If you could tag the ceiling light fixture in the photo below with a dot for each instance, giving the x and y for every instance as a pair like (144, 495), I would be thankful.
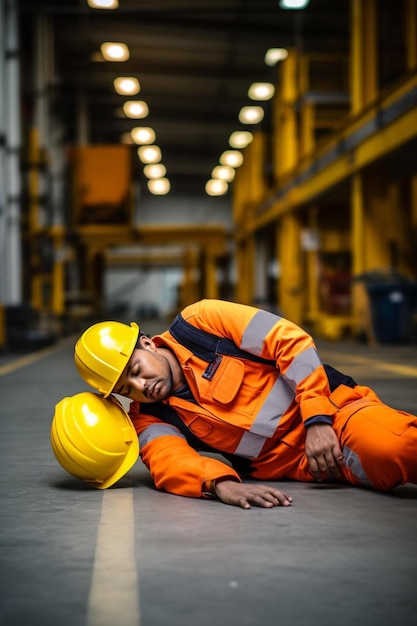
(234, 158)
(113, 51)
(274, 55)
(240, 138)
(223, 172)
(251, 115)
(261, 91)
(155, 170)
(216, 187)
(136, 109)
(293, 4)
(126, 85)
(149, 154)
(103, 4)
(159, 186)
(143, 134)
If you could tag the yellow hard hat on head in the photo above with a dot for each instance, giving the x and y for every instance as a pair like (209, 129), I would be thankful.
(94, 439)
(103, 351)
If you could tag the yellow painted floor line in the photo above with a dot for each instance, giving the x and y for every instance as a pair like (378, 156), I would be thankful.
(28, 359)
(114, 593)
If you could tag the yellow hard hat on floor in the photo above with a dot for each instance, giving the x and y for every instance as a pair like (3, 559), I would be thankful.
(94, 439)
(103, 351)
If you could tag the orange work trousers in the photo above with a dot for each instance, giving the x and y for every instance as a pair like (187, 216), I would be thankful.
(379, 443)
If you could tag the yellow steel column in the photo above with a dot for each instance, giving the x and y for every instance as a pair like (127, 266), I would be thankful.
(57, 304)
(240, 270)
(211, 286)
(189, 286)
(399, 241)
(36, 277)
(254, 162)
(312, 262)
(377, 222)
(411, 33)
(307, 141)
(307, 109)
(370, 59)
(285, 118)
(360, 302)
(364, 80)
(386, 227)
(358, 225)
(289, 251)
(245, 269)
(33, 179)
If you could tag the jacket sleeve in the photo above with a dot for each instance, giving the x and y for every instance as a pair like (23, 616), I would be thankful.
(174, 465)
(270, 336)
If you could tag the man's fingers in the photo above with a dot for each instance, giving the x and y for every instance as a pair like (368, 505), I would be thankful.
(327, 465)
(266, 499)
(245, 495)
(314, 469)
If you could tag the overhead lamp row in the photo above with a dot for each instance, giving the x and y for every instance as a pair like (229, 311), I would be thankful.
(222, 174)
(217, 185)
(138, 109)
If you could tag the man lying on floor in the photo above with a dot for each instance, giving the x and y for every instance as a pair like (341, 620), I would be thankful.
(244, 383)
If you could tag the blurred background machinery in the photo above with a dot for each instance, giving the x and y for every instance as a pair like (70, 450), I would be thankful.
(239, 150)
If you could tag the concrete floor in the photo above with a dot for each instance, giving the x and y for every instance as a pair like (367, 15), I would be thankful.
(75, 556)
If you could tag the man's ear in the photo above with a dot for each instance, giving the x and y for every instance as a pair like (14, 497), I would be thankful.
(146, 343)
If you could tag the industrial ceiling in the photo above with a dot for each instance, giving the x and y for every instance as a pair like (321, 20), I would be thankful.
(195, 60)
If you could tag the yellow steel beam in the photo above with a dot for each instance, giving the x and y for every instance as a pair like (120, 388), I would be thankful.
(200, 235)
(102, 236)
(372, 148)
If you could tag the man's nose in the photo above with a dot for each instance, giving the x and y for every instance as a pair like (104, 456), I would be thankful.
(138, 384)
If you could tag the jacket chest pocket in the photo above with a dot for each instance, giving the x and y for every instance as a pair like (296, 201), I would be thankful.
(227, 380)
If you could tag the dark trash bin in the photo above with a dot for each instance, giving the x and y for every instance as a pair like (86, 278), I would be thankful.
(393, 303)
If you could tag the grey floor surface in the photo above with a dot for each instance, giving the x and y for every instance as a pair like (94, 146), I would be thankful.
(75, 556)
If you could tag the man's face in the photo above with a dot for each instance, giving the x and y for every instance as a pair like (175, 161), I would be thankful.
(147, 377)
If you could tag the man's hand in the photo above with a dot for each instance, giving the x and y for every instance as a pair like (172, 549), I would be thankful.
(243, 495)
(323, 451)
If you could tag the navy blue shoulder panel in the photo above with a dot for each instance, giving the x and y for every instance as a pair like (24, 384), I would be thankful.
(207, 346)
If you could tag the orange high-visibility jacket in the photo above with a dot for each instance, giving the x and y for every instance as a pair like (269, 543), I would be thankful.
(241, 407)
